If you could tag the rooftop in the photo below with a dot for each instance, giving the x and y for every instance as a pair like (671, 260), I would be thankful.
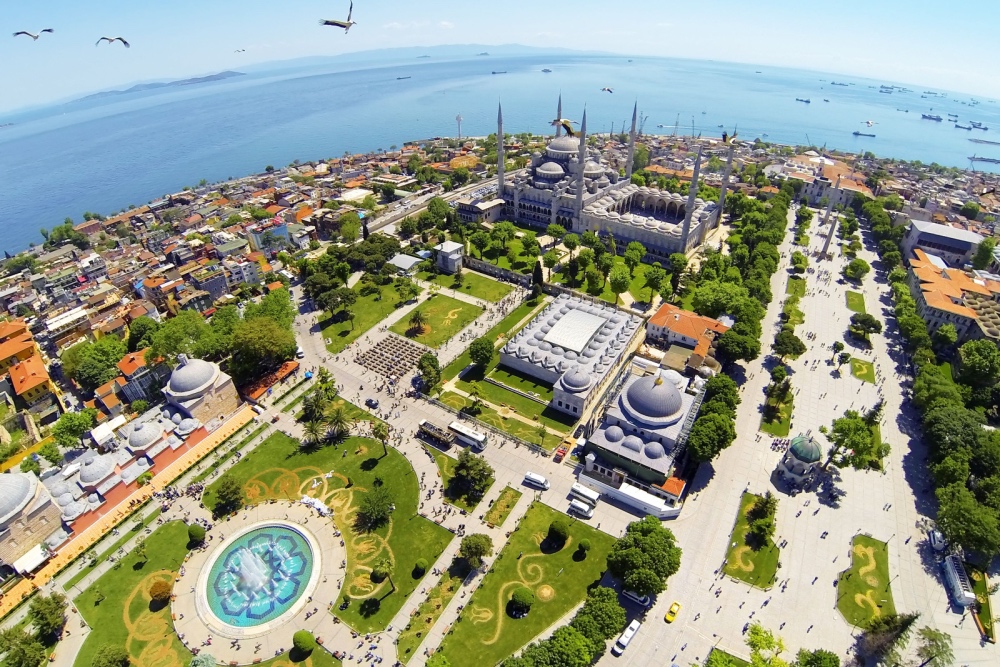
(575, 330)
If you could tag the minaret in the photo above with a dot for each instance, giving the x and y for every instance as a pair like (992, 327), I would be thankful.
(500, 157)
(689, 210)
(631, 144)
(826, 220)
(582, 161)
(722, 196)
(559, 116)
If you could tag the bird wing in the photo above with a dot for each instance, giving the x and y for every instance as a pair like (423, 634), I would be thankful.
(48, 30)
(122, 40)
(23, 32)
(102, 39)
(335, 24)
(350, 11)
(568, 126)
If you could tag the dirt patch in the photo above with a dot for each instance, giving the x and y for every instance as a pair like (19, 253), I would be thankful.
(738, 560)
(545, 593)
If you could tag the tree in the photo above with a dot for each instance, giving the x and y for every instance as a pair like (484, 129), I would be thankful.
(202, 660)
(655, 277)
(537, 277)
(852, 441)
(550, 259)
(817, 658)
(799, 262)
(380, 431)
(838, 347)
(430, 369)
(571, 242)
(375, 509)
(481, 351)
(605, 615)
(885, 636)
(31, 464)
(186, 333)
(228, 495)
(966, 522)
(260, 345)
(857, 269)
(842, 359)
(160, 591)
(710, 434)
(111, 655)
(98, 362)
(945, 336)
(604, 264)
(50, 452)
(558, 532)
(713, 298)
(984, 252)
(474, 548)
(437, 660)
(935, 648)
(787, 344)
(417, 321)
(304, 642)
(20, 649)
(556, 232)
(620, 280)
(980, 362)
(480, 241)
(196, 533)
(724, 388)
(473, 476)
(276, 306)
(733, 345)
(634, 252)
(140, 333)
(970, 210)
(778, 374)
(48, 614)
(503, 233)
(521, 599)
(567, 647)
(678, 263)
(865, 324)
(646, 545)
(69, 430)
(139, 406)
(338, 424)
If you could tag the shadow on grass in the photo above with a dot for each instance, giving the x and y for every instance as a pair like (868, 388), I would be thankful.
(295, 655)
(158, 605)
(370, 607)
(139, 565)
(369, 464)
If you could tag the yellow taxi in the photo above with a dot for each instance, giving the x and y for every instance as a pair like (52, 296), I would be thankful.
(672, 612)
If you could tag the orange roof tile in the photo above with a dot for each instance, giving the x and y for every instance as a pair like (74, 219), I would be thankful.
(939, 301)
(303, 212)
(11, 328)
(132, 362)
(277, 284)
(274, 209)
(16, 346)
(685, 323)
(674, 486)
(28, 374)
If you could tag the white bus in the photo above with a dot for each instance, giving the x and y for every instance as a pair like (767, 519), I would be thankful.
(589, 496)
(468, 436)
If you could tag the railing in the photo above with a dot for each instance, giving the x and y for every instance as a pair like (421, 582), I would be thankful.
(463, 415)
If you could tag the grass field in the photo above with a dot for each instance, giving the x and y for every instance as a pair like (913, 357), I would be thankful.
(103, 556)
(500, 331)
(757, 568)
(522, 405)
(473, 284)
(637, 287)
(793, 314)
(855, 301)
(445, 318)
(781, 424)
(734, 660)
(980, 586)
(522, 382)
(796, 287)
(280, 468)
(511, 425)
(502, 506)
(430, 609)
(446, 466)
(863, 370)
(485, 633)
(368, 311)
(863, 590)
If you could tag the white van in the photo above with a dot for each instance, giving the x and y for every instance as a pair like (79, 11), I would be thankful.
(581, 508)
(534, 479)
(626, 637)
(641, 600)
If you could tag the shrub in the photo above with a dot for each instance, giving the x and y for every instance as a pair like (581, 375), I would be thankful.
(420, 567)
(196, 533)
(160, 591)
(522, 599)
(584, 546)
(558, 532)
(303, 641)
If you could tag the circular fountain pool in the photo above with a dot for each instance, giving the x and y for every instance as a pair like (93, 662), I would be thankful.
(258, 578)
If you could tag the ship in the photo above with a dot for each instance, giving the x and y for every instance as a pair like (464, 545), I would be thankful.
(975, 123)
(835, 83)
(903, 110)
(825, 100)
(963, 127)
(484, 53)
(807, 100)
(400, 78)
(499, 72)
(985, 141)
(991, 160)
(930, 116)
(547, 70)
(862, 134)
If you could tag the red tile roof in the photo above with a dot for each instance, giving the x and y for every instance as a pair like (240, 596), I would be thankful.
(132, 362)
(28, 374)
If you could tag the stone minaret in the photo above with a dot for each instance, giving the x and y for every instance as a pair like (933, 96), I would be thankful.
(689, 210)
(500, 157)
(722, 195)
(582, 161)
(559, 116)
(631, 144)
(826, 220)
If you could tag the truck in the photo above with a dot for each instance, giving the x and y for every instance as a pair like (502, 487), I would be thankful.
(436, 434)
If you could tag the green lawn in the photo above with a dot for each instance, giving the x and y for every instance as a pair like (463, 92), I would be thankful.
(265, 474)
(126, 603)
(474, 284)
(793, 315)
(129, 534)
(637, 288)
(780, 410)
(485, 633)
(863, 370)
(523, 382)
(502, 506)
(796, 287)
(446, 466)
(431, 609)
(946, 372)
(445, 318)
(759, 567)
(981, 586)
(502, 330)
(498, 256)
(511, 425)
(856, 301)
(525, 407)
(368, 310)
(863, 590)
(736, 661)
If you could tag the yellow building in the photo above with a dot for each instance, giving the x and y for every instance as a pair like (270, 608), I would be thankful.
(31, 381)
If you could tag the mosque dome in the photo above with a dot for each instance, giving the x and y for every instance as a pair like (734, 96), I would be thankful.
(633, 443)
(192, 376)
(591, 168)
(96, 469)
(653, 400)
(550, 170)
(614, 434)
(187, 426)
(576, 380)
(806, 449)
(143, 435)
(564, 145)
(16, 491)
(653, 450)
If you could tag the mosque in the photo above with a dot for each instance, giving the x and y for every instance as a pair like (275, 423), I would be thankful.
(572, 185)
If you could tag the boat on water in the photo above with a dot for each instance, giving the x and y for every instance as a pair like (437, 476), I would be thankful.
(990, 160)
(757, 72)
(807, 100)
(963, 127)
(401, 78)
(862, 134)
(484, 53)
(825, 100)
(985, 141)
(980, 127)
(903, 110)
(931, 116)
(836, 83)
(499, 72)
(547, 70)
(975, 123)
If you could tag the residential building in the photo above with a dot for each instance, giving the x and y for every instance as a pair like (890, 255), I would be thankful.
(212, 280)
(690, 337)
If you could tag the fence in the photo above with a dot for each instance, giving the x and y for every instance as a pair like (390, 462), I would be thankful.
(482, 266)
(462, 415)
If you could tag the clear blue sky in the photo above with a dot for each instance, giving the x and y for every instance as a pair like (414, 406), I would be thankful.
(949, 45)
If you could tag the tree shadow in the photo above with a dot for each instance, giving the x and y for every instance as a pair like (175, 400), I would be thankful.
(514, 611)
(579, 556)
(138, 565)
(369, 464)
(370, 607)
(158, 605)
(295, 655)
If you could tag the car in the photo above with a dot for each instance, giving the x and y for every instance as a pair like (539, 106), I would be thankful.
(937, 540)
(300, 353)
(371, 403)
(623, 641)
(672, 612)
(560, 454)
(641, 600)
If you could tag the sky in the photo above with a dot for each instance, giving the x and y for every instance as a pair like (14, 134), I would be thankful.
(947, 45)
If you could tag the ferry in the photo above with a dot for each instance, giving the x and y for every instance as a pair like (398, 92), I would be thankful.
(862, 134)
(930, 116)
(963, 127)
(807, 100)
(985, 141)
(547, 70)
(400, 78)
(500, 72)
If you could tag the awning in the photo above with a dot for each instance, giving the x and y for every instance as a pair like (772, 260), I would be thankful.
(30, 561)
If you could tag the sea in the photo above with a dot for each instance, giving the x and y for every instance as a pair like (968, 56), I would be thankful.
(106, 153)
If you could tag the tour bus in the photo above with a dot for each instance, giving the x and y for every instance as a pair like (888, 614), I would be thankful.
(581, 508)
(435, 433)
(589, 496)
(468, 436)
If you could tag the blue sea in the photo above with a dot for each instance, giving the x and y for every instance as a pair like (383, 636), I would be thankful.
(107, 153)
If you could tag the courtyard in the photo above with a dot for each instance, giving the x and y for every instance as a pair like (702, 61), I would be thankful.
(472, 283)
(863, 590)
(444, 317)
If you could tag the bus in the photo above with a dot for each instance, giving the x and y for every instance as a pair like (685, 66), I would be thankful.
(589, 496)
(468, 436)
(435, 433)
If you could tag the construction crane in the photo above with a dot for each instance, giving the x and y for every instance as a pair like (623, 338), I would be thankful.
(677, 122)
(692, 127)
(642, 122)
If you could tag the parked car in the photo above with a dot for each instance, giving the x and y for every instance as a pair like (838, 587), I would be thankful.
(626, 637)
(937, 540)
(641, 600)
(560, 454)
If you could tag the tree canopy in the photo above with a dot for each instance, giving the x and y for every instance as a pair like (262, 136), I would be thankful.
(647, 547)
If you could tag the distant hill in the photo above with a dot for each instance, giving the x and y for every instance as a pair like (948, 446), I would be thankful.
(142, 87)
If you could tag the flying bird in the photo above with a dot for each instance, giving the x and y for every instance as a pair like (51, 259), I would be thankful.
(606, 90)
(869, 123)
(112, 40)
(346, 25)
(566, 125)
(240, 51)
(31, 34)
(726, 139)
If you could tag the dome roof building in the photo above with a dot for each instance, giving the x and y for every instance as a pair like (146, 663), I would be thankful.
(28, 516)
(801, 461)
(199, 389)
(143, 435)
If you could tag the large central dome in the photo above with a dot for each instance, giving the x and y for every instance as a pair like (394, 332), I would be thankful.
(191, 376)
(653, 400)
(564, 145)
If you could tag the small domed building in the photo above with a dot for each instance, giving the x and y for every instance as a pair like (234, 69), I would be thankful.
(200, 390)
(28, 516)
(801, 461)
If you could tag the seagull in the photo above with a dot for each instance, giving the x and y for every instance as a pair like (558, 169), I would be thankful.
(240, 51)
(869, 123)
(32, 35)
(606, 90)
(346, 25)
(566, 125)
(726, 139)
(112, 40)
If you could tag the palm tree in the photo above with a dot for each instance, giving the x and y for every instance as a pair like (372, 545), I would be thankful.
(474, 395)
(314, 432)
(351, 316)
(381, 432)
(541, 435)
(418, 320)
(935, 648)
(337, 423)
